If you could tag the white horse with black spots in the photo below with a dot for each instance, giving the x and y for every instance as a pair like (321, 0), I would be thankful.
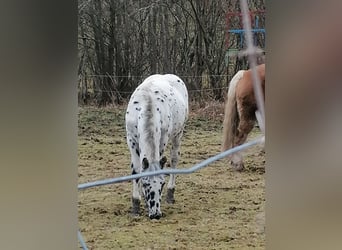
(156, 113)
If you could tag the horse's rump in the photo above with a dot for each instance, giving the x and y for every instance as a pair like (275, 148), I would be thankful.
(168, 97)
(231, 117)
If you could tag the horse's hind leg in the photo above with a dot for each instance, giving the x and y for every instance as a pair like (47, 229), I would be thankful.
(245, 126)
(174, 161)
(135, 166)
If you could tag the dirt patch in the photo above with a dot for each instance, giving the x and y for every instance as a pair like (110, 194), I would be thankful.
(216, 208)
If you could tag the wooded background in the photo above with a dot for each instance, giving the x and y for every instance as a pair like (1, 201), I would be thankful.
(121, 42)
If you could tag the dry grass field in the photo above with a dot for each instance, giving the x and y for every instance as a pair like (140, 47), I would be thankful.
(216, 208)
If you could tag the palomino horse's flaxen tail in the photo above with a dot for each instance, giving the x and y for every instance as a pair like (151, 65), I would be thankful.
(230, 113)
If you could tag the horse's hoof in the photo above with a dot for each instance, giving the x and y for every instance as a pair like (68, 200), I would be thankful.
(135, 215)
(170, 196)
(239, 167)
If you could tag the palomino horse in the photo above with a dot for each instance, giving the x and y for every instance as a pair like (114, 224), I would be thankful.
(240, 111)
(156, 113)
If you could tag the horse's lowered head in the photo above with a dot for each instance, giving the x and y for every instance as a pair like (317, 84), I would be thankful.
(152, 187)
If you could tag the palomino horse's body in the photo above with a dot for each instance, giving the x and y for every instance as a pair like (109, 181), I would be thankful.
(156, 113)
(240, 111)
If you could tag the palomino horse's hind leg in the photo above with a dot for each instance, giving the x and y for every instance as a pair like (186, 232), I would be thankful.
(136, 197)
(243, 131)
(245, 126)
(174, 161)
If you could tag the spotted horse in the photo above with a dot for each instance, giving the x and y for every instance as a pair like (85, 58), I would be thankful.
(156, 114)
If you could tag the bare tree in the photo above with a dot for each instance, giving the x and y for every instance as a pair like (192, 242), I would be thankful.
(123, 41)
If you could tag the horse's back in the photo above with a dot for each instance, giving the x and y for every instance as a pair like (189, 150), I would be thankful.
(245, 88)
(178, 84)
(178, 96)
(167, 83)
(172, 89)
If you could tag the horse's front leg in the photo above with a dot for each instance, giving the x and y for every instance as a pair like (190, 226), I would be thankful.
(174, 161)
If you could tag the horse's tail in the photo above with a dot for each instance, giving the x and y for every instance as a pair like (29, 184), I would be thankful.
(230, 113)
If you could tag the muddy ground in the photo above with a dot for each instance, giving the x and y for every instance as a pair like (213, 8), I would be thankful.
(216, 208)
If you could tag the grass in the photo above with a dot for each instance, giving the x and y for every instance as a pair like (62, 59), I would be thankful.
(215, 208)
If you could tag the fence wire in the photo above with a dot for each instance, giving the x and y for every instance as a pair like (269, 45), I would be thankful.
(189, 91)
(252, 53)
(173, 171)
